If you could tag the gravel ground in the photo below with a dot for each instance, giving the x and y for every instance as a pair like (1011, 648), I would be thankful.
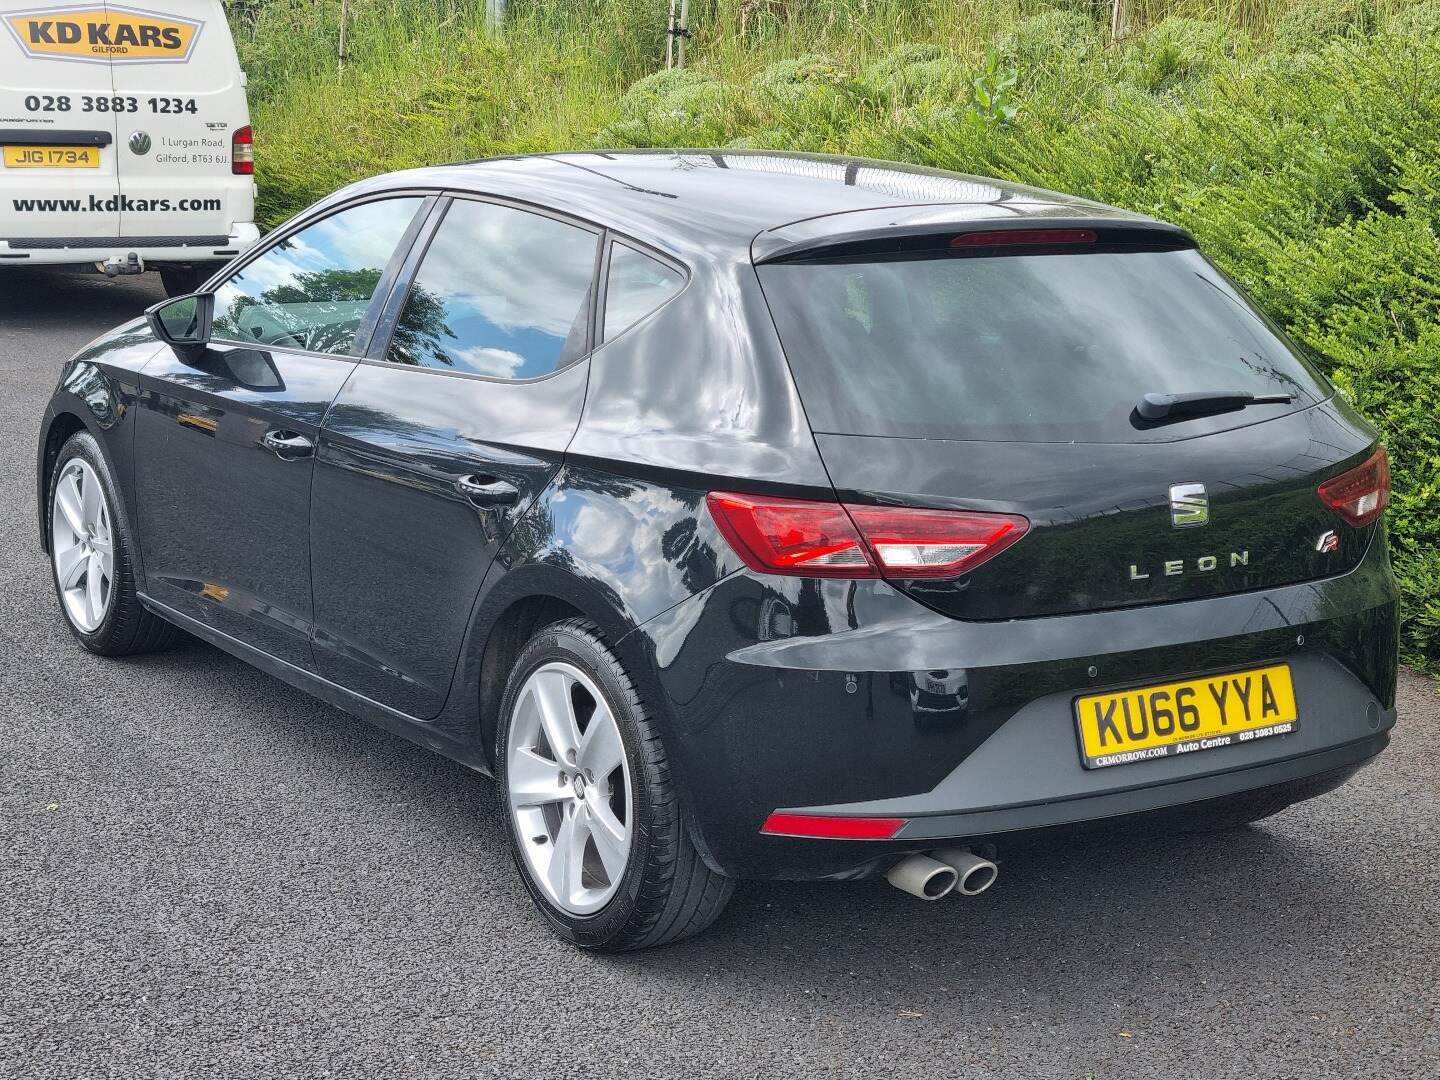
(206, 873)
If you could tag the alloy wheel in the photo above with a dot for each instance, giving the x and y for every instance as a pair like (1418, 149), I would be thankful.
(82, 545)
(568, 787)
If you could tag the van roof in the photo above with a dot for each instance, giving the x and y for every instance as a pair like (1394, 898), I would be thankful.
(729, 198)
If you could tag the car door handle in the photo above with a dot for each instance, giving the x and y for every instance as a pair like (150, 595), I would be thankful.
(487, 490)
(288, 444)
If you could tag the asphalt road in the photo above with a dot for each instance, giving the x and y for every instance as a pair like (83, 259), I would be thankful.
(205, 873)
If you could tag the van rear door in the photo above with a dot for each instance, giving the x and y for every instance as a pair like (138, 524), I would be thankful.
(175, 169)
(58, 179)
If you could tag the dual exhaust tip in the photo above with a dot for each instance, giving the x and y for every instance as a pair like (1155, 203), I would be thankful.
(941, 872)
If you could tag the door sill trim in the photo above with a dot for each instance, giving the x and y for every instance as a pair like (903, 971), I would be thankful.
(423, 732)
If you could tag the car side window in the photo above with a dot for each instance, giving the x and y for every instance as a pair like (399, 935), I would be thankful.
(636, 286)
(311, 290)
(501, 292)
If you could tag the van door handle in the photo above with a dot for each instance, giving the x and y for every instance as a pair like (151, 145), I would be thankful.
(487, 490)
(288, 444)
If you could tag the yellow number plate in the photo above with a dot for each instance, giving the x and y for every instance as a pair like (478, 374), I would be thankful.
(1183, 717)
(52, 157)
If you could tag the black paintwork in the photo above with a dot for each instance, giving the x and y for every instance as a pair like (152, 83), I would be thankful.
(361, 573)
(399, 551)
(224, 520)
(43, 137)
(1097, 510)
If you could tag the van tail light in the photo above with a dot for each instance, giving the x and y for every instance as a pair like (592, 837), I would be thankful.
(1360, 495)
(242, 151)
(806, 538)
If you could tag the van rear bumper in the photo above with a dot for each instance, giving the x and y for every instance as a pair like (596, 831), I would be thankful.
(83, 251)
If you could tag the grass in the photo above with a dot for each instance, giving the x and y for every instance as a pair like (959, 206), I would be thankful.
(1296, 139)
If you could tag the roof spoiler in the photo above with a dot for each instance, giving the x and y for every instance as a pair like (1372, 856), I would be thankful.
(898, 229)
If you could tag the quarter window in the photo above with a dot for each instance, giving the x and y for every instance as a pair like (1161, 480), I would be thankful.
(311, 290)
(501, 292)
(637, 285)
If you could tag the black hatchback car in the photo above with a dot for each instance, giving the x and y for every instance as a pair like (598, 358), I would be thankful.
(748, 515)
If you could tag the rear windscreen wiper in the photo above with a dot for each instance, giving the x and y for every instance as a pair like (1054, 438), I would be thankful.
(1163, 406)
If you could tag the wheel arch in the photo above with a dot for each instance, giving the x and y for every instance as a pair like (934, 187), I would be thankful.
(518, 604)
(60, 426)
(534, 595)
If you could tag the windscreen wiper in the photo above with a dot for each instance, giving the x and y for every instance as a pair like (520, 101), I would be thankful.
(1163, 406)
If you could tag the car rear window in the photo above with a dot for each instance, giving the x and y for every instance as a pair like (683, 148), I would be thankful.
(1043, 347)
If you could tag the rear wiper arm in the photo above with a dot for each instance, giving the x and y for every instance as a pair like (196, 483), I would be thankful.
(1162, 406)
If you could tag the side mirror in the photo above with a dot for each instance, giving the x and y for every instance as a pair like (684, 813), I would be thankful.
(184, 322)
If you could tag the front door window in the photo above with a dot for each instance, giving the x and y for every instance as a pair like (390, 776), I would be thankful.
(311, 290)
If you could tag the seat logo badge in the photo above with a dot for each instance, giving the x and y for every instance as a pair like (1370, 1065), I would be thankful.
(1328, 542)
(1189, 505)
(139, 142)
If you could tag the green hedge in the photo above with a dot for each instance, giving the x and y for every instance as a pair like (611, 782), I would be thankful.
(1304, 152)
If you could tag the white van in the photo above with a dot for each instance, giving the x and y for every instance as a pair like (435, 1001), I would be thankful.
(125, 138)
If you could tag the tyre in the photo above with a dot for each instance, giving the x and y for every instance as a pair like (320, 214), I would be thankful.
(590, 805)
(90, 557)
(183, 280)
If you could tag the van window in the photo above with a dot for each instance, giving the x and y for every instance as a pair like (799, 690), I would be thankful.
(1033, 347)
(501, 292)
(311, 290)
(636, 286)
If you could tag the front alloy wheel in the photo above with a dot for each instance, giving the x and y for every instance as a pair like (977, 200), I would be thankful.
(569, 788)
(82, 545)
(92, 557)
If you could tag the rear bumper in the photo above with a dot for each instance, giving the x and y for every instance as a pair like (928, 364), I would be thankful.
(847, 698)
(1234, 779)
(1134, 811)
(75, 251)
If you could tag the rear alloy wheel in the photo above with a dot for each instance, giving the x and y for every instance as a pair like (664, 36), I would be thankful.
(591, 804)
(569, 788)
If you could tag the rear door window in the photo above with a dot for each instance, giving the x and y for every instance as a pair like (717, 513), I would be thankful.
(312, 289)
(501, 292)
(1028, 347)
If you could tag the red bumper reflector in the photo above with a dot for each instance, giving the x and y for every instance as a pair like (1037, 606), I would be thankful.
(821, 827)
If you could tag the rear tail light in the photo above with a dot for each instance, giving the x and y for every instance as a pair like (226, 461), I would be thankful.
(819, 539)
(934, 543)
(1360, 495)
(242, 151)
(791, 536)
(825, 827)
